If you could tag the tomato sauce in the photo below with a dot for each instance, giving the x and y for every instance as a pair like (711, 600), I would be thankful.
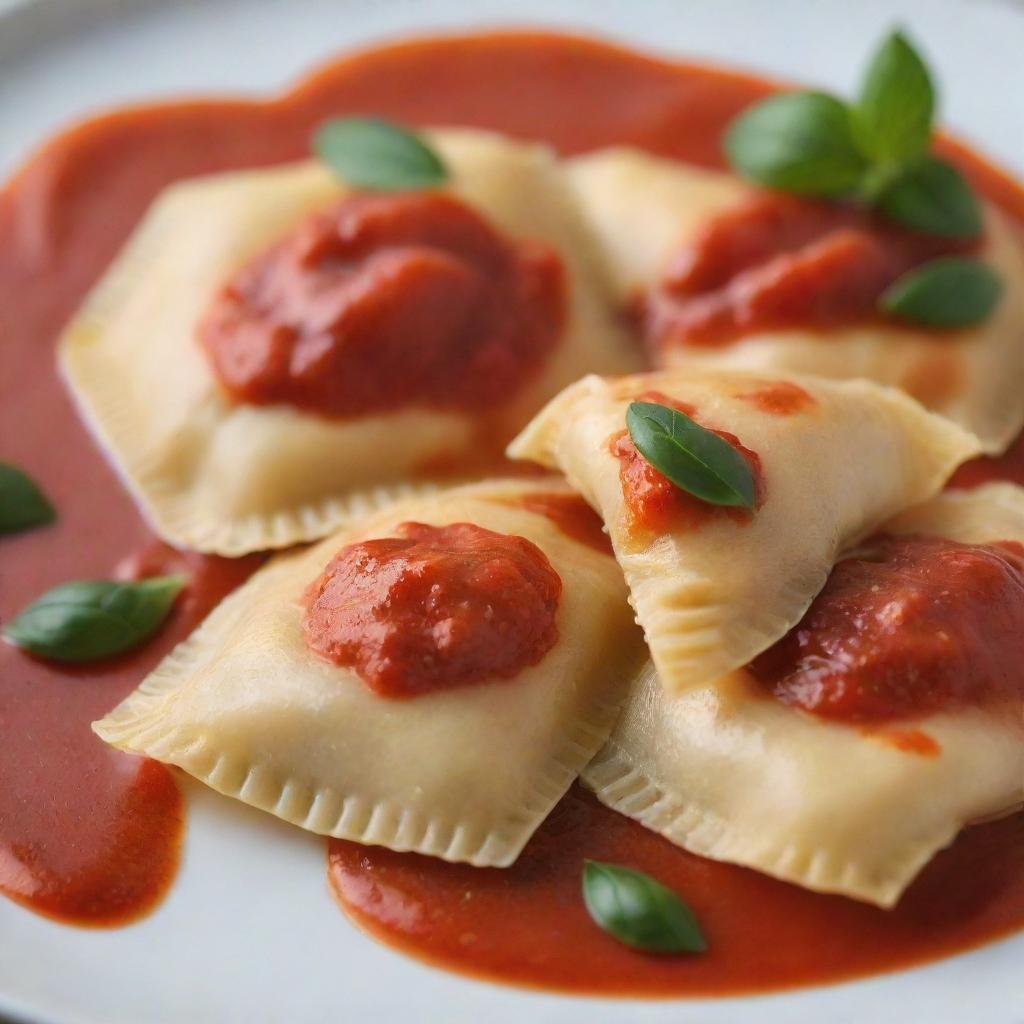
(655, 505)
(913, 626)
(776, 262)
(989, 469)
(527, 924)
(388, 301)
(779, 398)
(433, 608)
(69, 822)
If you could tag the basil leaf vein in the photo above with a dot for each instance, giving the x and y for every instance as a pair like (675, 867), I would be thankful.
(950, 292)
(932, 196)
(893, 117)
(694, 458)
(22, 504)
(639, 911)
(372, 153)
(798, 142)
(90, 619)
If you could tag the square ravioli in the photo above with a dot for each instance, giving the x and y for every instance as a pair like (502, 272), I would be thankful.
(273, 354)
(851, 803)
(714, 586)
(433, 680)
(683, 246)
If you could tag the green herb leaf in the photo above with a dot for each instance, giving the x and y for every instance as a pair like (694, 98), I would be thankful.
(798, 142)
(372, 153)
(639, 911)
(949, 292)
(22, 504)
(933, 196)
(893, 118)
(694, 458)
(87, 620)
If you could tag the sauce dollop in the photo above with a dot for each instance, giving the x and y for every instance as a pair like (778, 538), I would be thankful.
(437, 607)
(653, 504)
(778, 262)
(914, 625)
(383, 302)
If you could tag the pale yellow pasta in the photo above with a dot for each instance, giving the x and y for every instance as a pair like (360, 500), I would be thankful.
(711, 597)
(228, 477)
(646, 209)
(728, 772)
(465, 773)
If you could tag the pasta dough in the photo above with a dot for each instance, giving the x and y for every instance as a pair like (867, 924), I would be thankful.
(229, 477)
(646, 209)
(729, 772)
(710, 598)
(465, 774)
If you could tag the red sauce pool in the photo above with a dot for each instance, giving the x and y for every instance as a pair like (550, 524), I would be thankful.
(62, 218)
(527, 924)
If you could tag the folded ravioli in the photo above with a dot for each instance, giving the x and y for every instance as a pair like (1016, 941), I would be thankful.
(730, 772)
(265, 360)
(654, 217)
(454, 763)
(713, 586)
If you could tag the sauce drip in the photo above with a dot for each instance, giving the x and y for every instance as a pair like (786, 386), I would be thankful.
(914, 625)
(434, 608)
(385, 302)
(778, 262)
(62, 219)
(527, 924)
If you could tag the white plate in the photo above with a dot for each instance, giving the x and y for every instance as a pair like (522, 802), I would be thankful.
(249, 932)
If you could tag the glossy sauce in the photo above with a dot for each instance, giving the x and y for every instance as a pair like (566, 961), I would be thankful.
(62, 219)
(527, 924)
(776, 262)
(434, 607)
(914, 626)
(386, 302)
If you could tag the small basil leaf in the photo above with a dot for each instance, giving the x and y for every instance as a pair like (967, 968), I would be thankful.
(948, 292)
(932, 196)
(893, 118)
(22, 504)
(87, 620)
(694, 458)
(639, 911)
(798, 142)
(375, 154)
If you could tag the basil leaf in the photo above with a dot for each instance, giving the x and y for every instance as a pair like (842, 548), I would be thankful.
(372, 153)
(933, 196)
(87, 620)
(639, 911)
(22, 504)
(694, 458)
(948, 292)
(893, 119)
(798, 142)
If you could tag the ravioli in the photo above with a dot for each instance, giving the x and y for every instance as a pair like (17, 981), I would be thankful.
(712, 588)
(646, 210)
(216, 474)
(465, 773)
(730, 773)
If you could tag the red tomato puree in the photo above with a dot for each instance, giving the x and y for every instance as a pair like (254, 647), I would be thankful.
(915, 625)
(571, 514)
(90, 835)
(436, 607)
(387, 301)
(653, 504)
(777, 262)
